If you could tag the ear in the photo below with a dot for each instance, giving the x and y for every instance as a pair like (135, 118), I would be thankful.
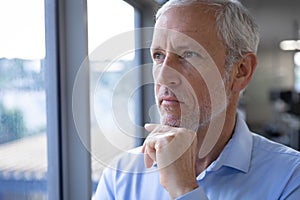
(243, 71)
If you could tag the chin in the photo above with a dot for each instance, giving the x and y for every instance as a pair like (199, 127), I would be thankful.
(171, 121)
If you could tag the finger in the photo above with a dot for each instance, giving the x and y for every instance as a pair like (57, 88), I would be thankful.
(151, 127)
(149, 151)
(143, 148)
(147, 142)
(147, 159)
(149, 156)
(157, 127)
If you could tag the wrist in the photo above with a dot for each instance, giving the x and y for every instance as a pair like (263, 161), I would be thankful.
(182, 190)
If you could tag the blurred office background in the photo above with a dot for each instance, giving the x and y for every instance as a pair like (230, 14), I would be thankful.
(43, 46)
(271, 101)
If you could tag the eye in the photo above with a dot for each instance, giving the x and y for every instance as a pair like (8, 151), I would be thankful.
(189, 54)
(158, 56)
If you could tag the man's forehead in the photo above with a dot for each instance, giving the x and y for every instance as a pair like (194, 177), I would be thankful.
(188, 20)
(166, 37)
(187, 15)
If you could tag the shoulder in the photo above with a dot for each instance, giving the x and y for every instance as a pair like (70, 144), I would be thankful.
(128, 177)
(129, 162)
(122, 169)
(263, 144)
(274, 154)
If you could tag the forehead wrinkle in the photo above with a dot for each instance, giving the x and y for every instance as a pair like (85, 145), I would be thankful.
(178, 36)
(175, 44)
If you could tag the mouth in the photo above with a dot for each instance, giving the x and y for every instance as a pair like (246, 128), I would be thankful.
(169, 101)
(167, 98)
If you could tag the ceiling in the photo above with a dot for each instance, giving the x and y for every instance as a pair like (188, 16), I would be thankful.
(277, 20)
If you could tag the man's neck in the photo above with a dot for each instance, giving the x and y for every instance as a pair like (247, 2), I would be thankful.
(220, 143)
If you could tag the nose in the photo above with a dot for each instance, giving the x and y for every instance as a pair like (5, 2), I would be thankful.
(168, 73)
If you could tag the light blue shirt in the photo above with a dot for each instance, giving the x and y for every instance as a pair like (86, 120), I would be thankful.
(250, 167)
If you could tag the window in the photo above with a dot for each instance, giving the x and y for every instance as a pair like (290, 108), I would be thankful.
(23, 140)
(43, 42)
(114, 76)
(297, 71)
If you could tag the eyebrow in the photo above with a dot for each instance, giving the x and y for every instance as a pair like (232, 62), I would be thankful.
(179, 48)
(156, 48)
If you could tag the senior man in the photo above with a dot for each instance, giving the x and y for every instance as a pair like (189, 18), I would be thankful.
(204, 55)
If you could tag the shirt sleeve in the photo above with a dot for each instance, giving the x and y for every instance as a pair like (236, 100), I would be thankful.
(197, 194)
(105, 187)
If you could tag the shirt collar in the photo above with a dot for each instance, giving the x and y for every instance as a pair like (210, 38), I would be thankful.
(237, 152)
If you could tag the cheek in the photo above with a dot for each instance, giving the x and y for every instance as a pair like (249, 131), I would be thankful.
(154, 72)
(200, 91)
(202, 94)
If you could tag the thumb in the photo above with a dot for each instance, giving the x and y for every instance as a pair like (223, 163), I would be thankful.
(151, 127)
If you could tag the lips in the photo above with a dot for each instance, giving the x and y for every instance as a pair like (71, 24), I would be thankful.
(168, 100)
(167, 97)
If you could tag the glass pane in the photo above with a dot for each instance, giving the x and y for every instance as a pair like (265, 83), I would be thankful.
(23, 148)
(114, 77)
(297, 71)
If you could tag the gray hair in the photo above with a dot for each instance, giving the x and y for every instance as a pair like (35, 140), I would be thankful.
(236, 27)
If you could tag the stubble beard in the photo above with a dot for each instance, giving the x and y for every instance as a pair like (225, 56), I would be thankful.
(191, 120)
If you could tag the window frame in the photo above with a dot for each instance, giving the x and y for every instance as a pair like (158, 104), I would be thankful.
(69, 168)
(69, 161)
(52, 101)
